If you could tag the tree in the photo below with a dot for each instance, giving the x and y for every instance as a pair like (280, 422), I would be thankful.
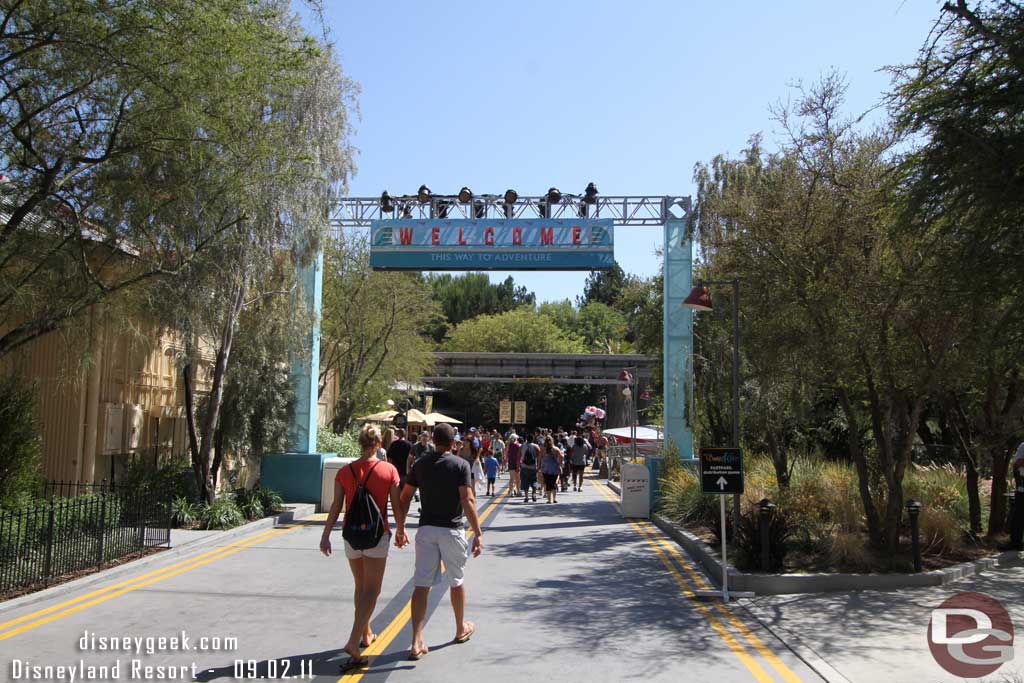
(522, 330)
(962, 103)
(605, 286)
(20, 452)
(289, 134)
(466, 296)
(373, 329)
(258, 392)
(601, 328)
(114, 116)
(963, 98)
(563, 314)
(845, 300)
(642, 302)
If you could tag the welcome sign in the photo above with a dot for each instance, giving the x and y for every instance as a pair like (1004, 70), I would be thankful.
(506, 244)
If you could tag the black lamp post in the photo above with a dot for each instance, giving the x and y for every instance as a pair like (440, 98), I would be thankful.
(914, 510)
(700, 300)
(765, 508)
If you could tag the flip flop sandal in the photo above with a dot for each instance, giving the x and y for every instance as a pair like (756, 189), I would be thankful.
(416, 656)
(466, 637)
(353, 663)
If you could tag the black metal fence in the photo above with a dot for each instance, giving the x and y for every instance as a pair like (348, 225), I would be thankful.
(78, 527)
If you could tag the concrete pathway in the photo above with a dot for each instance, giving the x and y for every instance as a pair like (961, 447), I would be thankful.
(870, 636)
(569, 591)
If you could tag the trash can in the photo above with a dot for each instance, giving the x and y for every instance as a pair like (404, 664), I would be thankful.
(331, 467)
(635, 485)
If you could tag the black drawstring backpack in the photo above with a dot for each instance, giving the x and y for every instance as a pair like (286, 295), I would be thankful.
(364, 524)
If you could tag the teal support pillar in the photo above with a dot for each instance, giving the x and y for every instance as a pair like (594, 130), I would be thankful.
(296, 474)
(305, 371)
(678, 338)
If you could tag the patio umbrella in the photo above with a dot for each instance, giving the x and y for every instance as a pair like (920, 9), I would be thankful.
(415, 417)
(434, 418)
(383, 416)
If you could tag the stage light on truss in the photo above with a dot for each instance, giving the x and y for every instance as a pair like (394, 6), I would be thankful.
(554, 195)
(423, 194)
(386, 205)
(465, 195)
(589, 197)
(510, 202)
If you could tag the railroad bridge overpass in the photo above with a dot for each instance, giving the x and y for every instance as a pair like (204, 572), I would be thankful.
(546, 368)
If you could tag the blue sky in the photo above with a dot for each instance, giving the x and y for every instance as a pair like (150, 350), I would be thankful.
(631, 95)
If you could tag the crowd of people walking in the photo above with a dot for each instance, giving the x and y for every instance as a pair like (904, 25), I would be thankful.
(443, 470)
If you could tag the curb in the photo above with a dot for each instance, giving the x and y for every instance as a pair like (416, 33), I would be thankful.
(787, 584)
(292, 512)
(794, 644)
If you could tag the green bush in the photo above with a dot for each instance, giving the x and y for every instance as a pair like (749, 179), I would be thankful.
(167, 482)
(270, 499)
(222, 514)
(185, 512)
(250, 503)
(823, 510)
(682, 499)
(343, 445)
(941, 488)
(20, 445)
(748, 542)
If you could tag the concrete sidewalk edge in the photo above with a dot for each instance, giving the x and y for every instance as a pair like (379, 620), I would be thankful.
(794, 644)
(292, 512)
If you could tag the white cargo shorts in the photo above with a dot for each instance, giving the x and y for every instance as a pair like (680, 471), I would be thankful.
(378, 552)
(435, 544)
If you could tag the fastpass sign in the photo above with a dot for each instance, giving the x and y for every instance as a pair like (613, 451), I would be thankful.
(510, 244)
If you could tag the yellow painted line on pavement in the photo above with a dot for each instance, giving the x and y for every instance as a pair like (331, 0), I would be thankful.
(751, 637)
(727, 637)
(28, 617)
(392, 630)
(135, 584)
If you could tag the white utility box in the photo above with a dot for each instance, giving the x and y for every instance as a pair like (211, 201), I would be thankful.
(636, 491)
(331, 467)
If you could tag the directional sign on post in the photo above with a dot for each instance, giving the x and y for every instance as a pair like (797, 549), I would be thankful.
(721, 470)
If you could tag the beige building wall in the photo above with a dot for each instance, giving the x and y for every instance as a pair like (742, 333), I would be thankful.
(122, 399)
(117, 397)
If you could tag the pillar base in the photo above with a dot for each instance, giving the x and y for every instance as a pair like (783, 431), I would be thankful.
(295, 476)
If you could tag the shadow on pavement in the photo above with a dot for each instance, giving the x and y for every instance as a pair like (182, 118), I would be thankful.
(606, 592)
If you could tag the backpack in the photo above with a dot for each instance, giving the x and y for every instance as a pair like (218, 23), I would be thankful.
(364, 523)
(530, 455)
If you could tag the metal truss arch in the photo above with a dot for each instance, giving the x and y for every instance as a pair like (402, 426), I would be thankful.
(626, 210)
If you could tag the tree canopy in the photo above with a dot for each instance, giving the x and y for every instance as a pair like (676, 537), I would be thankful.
(122, 120)
(522, 330)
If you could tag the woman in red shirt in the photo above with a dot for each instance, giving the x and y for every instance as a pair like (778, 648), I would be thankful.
(381, 481)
